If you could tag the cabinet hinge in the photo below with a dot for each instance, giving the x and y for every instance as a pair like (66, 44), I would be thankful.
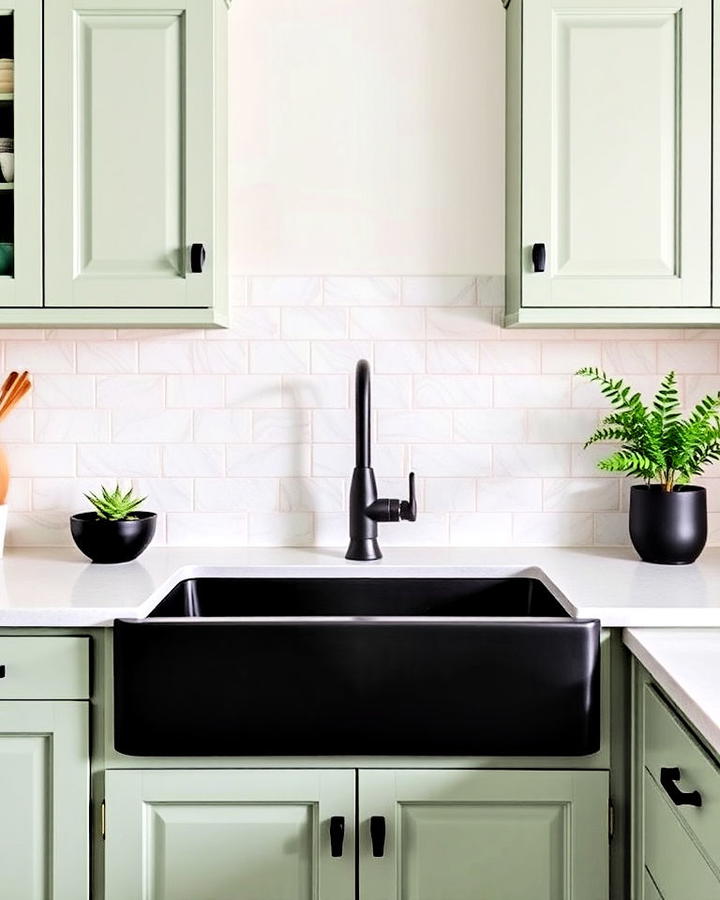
(611, 820)
(102, 820)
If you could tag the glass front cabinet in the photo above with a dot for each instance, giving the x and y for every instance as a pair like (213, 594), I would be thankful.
(113, 132)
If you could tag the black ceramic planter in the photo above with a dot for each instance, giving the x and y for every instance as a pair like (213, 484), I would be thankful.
(112, 542)
(668, 527)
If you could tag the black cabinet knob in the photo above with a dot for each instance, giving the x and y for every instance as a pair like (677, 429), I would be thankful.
(538, 257)
(337, 835)
(2, 671)
(197, 257)
(668, 779)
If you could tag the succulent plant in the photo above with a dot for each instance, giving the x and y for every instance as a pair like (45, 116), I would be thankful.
(115, 506)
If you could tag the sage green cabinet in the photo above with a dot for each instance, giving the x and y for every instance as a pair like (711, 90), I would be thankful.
(44, 799)
(119, 120)
(449, 835)
(609, 162)
(129, 153)
(498, 835)
(228, 835)
(676, 843)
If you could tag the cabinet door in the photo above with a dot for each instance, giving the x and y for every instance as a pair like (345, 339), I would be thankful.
(495, 835)
(129, 163)
(21, 178)
(616, 152)
(228, 835)
(44, 798)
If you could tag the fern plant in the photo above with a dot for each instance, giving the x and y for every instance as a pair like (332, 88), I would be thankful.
(658, 444)
(114, 506)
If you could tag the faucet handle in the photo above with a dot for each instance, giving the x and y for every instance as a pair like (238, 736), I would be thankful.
(408, 508)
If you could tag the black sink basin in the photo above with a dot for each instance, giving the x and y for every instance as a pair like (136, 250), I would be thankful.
(357, 666)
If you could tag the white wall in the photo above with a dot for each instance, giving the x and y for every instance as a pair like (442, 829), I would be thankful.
(368, 136)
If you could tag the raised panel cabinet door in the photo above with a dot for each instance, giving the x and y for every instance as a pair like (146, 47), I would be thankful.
(21, 245)
(616, 153)
(129, 152)
(44, 800)
(495, 835)
(230, 835)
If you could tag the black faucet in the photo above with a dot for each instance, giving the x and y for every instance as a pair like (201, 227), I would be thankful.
(366, 509)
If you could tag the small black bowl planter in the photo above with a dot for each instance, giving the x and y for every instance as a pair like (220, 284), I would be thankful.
(112, 542)
(668, 527)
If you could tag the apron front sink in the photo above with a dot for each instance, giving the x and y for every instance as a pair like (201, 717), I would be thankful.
(357, 666)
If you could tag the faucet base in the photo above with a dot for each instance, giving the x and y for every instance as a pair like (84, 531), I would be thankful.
(363, 549)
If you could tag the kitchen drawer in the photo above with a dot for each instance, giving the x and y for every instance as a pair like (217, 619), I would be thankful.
(668, 744)
(44, 668)
(678, 868)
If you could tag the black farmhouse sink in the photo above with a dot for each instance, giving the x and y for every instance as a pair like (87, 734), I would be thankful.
(357, 666)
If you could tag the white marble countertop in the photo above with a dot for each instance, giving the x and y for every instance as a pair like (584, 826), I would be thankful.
(685, 662)
(59, 588)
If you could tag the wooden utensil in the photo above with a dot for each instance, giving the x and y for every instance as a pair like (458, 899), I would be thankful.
(15, 395)
(17, 391)
(7, 384)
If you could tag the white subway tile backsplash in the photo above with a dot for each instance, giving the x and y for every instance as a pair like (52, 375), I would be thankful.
(449, 290)
(113, 392)
(496, 426)
(284, 529)
(113, 461)
(399, 357)
(452, 391)
(519, 494)
(245, 435)
(226, 426)
(315, 391)
(519, 460)
(193, 391)
(107, 356)
(532, 391)
(351, 291)
(387, 323)
(452, 357)
(228, 495)
(130, 426)
(284, 291)
(413, 426)
(312, 494)
(270, 357)
(193, 460)
(70, 425)
(244, 460)
(314, 323)
(451, 459)
(338, 356)
(281, 426)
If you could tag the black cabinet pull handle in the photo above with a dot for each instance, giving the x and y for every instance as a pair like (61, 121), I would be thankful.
(197, 257)
(668, 777)
(377, 835)
(538, 257)
(337, 835)
(2, 671)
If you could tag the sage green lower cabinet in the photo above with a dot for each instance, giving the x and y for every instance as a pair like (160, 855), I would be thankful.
(228, 835)
(485, 835)
(44, 799)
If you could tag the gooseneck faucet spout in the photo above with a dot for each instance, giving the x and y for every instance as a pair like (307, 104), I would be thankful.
(366, 509)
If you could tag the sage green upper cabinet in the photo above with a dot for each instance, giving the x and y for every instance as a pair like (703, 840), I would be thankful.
(131, 185)
(21, 121)
(44, 798)
(609, 162)
(495, 835)
(227, 834)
